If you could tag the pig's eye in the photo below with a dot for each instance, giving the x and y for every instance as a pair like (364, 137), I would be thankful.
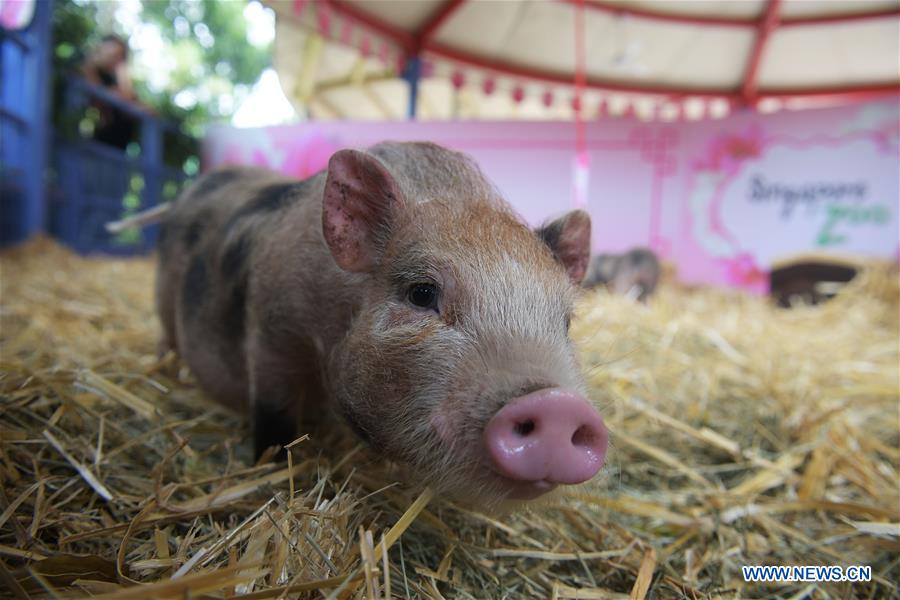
(424, 295)
(568, 323)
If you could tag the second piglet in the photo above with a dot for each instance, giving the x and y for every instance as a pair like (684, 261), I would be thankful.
(400, 290)
(633, 274)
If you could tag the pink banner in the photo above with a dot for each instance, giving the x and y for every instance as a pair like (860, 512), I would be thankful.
(723, 199)
(16, 14)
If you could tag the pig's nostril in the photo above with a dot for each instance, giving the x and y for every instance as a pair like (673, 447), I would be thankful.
(523, 428)
(584, 436)
(552, 435)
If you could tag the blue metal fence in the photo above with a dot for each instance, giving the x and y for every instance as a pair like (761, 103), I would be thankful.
(24, 132)
(98, 183)
(88, 183)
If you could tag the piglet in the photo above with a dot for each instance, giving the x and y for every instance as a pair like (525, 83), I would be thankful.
(399, 290)
(633, 274)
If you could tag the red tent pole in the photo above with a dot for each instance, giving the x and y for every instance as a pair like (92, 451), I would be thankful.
(582, 158)
(767, 24)
(426, 31)
(580, 79)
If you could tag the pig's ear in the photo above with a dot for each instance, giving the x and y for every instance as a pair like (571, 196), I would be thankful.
(569, 238)
(360, 200)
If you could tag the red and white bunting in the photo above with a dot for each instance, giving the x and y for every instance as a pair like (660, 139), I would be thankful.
(547, 98)
(346, 34)
(323, 15)
(603, 108)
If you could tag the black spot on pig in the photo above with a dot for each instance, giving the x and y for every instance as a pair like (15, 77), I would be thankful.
(193, 231)
(195, 284)
(164, 229)
(235, 256)
(236, 312)
(214, 181)
(273, 197)
(163, 241)
(270, 199)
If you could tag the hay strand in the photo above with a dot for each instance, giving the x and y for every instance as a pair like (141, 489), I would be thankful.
(85, 473)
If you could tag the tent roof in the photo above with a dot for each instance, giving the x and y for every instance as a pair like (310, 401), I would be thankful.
(516, 59)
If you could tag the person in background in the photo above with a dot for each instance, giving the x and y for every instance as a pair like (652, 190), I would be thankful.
(107, 67)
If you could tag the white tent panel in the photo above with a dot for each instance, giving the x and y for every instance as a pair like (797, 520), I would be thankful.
(719, 8)
(670, 53)
(837, 54)
(805, 8)
(539, 35)
(483, 28)
(405, 14)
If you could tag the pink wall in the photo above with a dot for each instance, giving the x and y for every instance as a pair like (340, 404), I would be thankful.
(723, 199)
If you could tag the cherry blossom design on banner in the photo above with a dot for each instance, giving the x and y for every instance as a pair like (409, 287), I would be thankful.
(279, 149)
(721, 162)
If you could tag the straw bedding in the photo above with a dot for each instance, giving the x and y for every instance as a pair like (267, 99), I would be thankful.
(742, 434)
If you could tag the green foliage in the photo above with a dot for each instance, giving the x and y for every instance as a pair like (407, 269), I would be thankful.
(208, 38)
(214, 64)
(201, 72)
(74, 30)
(214, 30)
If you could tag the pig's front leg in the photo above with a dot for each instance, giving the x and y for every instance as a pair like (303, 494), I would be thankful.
(275, 399)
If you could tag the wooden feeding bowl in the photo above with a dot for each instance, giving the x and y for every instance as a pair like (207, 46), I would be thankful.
(811, 278)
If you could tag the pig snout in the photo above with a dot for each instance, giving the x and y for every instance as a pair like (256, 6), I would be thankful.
(551, 436)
